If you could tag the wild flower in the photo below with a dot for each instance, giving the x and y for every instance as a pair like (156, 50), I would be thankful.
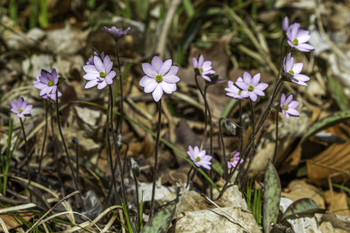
(297, 38)
(20, 108)
(199, 157)
(159, 77)
(251, 87)
(47, 84)
(116, 33)
(233, 160)
(233, 91)
(288, 106)
(293, 70)
(100, 73)
(203, 68)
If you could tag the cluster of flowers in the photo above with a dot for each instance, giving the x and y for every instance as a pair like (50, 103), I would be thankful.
(162, 77)
(250, 87)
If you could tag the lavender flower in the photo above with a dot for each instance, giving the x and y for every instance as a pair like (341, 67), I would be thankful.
(294, 69)
(203, 68)
(116, 33)
(288, 106)
(234, 91)
(47, 84)
(234, 158)
(100, 73)
(159, 77)
(21, 108)
(297, 38)
(251, 86)
(199, 157)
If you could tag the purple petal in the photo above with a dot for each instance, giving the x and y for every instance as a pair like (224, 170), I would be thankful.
(247, 78)
(145, 80)
(90, 69)
(289, 99)
(305, 47)
(285, 23)
(253, 96)
(90, 76)
(261, 86)
(244, 94)
(167, 88)
(303, 36)
(242, 85)
(165, 67)
(91, 83)
(101, 85)
(151, 86)
(283, 99)
(294, 104)
(195, 63)
(171, 78)
(256, 79)
(297, 68)
(157, 93)
(301, 77)
(200, 61)
(108, 64)
(157, 64)
(149, 70)
(293, 112)
(98, 64)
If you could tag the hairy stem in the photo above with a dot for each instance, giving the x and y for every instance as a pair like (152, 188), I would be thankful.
(45, 135)
(155, 171)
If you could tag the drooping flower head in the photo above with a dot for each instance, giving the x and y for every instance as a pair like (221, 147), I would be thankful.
(47, 84)
(199, 157)
(100, 73)
(233, 91)
(20, 108)
(297, 38)
(203, 68)
(251, 87)
(293, 70)
(116, 33)
(233, 160)
(288, 106)
(159, 77)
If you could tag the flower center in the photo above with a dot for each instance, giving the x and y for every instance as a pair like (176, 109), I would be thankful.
(159, 78)
(200, 70)
(291, 72)
(198, 159)
(20, 110)
(232, 159)
(102, 75)
(50, 83)
(285, 107)
(239, 92)
(251, 88)
(295, 42)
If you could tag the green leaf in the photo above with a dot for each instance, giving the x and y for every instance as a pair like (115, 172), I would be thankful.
(337, 92)
(161, 221)
(228, 108)
(271, 197)
(142, 7)
(327, 122)
(43, 18)
(304, 206)
(218, 168)
(188, 8)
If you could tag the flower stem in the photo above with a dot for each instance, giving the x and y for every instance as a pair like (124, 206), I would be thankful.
(66, 149)
(253, 122)
(120, 121)
(188, 176)
(25, 149)
(276, 142)
(116, 144)
(156, 158)
(45, 134)
(223, 148)
(241, 135)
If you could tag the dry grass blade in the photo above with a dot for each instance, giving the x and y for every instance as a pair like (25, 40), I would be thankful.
(86, 225)
(3, 225)
(47, 212)
(109, 224)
